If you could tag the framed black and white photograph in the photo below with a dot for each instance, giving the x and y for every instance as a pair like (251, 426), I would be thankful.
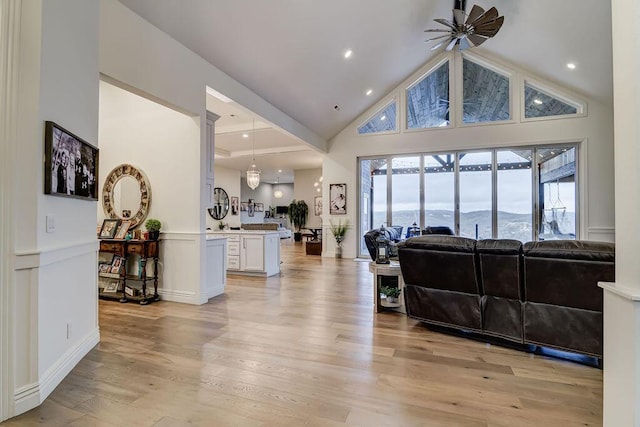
(109, 228)
(338, 199)
(251, 207)
(259, 207)
(234, 205)
(70, 164)
(317, 205)
(244, 206)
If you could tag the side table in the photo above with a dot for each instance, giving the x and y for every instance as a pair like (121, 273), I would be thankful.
(386, 270)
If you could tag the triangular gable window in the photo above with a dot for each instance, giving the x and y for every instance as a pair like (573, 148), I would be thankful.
(539, 103)
(383, 121)
(486, 94)
(428, 100)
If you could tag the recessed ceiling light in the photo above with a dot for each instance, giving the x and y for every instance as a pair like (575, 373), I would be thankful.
(369, 92)
(383, 118)
(245, 135)
(537, 101)
(348, 54)
(318, 190)
(571, 66)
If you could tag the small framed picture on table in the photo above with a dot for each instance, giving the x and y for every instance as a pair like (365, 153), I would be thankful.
(111, 287)
(109, 228)
(123, 229)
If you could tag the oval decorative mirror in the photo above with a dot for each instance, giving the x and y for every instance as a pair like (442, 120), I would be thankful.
(220, 204)
(126, 194)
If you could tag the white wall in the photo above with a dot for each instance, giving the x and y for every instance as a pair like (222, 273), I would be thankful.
(229, 181)
(303, 189)
(164, 144)
(54, 287)
(594, 131)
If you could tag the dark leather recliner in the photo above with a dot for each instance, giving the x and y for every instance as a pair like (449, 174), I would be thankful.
(501, 275)
(441, 280)
(438, 229)
(563, 305)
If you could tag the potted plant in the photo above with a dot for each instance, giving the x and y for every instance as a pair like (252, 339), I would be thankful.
(153, 226)
(392, 293)
(222, 225)
(298, 211)
(339, 232)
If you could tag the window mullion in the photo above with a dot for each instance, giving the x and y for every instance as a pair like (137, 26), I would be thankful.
(494, 194)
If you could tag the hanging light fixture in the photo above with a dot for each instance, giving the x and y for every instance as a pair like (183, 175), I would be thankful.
(253, 173)
(278, 193)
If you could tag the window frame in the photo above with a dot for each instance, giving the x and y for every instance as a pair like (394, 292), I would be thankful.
(459, 86)
(421, 76)
(535, 182)
(553, 92)
(382, 105)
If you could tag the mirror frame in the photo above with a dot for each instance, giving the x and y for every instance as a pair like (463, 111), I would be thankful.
(112, 179)
(228, 204)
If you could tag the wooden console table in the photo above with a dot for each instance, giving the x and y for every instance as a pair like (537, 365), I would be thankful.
(386, 270)
(145, 249)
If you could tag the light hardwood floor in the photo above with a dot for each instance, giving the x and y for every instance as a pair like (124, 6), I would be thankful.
(305, 349)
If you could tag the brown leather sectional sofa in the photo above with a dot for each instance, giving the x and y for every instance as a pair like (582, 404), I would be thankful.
(542, 293)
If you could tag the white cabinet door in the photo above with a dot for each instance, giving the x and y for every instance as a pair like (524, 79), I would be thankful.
(252, 253)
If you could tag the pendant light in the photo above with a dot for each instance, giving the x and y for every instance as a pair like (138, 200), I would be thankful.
(278, 193)
(253, 173)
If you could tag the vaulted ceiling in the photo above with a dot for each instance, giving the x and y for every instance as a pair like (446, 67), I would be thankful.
(291, 52)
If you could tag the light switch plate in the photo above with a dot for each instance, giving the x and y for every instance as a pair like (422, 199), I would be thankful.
(51, 223)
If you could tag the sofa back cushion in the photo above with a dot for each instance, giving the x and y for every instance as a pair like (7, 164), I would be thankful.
(501, 267)
(440, 262)
(567, 272)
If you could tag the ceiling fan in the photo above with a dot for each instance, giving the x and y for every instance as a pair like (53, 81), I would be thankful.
(478, 27)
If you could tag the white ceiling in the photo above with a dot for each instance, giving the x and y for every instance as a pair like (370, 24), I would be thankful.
(290, 52)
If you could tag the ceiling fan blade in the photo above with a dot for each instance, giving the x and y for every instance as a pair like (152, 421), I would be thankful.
(458, 17)
(447, 23)
(437, 31)
(476, 39)
(489, 29)
(488, 16)
(437, 45)
(437, 38)
(452, 44)
(476, 12)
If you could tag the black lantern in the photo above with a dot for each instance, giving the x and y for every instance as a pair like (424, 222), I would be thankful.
(382, 256)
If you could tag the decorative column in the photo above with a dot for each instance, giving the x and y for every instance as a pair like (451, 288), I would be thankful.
(622, 298)
(10, 12)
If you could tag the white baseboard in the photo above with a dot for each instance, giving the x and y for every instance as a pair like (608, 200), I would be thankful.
(179, 296)
(30, 396)
(26, 398)
(55, 374)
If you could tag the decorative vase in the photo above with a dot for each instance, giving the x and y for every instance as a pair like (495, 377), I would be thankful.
(338, 251)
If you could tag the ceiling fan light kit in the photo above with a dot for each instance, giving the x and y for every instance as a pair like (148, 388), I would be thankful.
(464, 30)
